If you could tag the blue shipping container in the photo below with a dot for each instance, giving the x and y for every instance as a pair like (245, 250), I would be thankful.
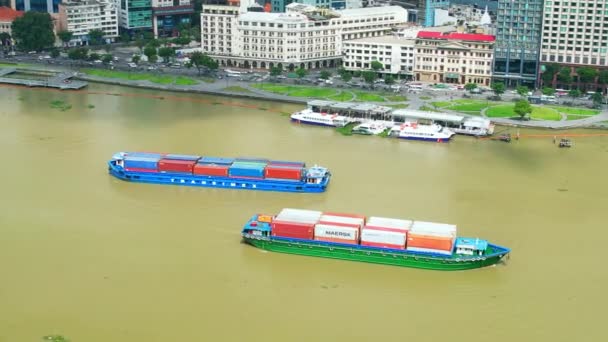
(181, 157)
(290, 163)
(257, 172)
(144, 155)
(215, 160)
(252, 160)
(140, 163)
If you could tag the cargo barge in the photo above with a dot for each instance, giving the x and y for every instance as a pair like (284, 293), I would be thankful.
(213, 172)
(406, 243)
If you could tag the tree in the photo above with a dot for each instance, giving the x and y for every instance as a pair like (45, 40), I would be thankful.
(470, 87)
(94, 56)
(522, 90)
(276, 71)
(325, 74)
(522, 108)
(150, 52)
(388, 80)
(200, 60)
(369, 77)
(564, 75)
(135, 59)
(95, 37)
(54, 53)
(124, 37)
(376, 66)
(548, 91)
(140, 43)
(574, 93)
(33, 31)
(166, 53)
(65, 37)
(346, 76)
(155, 43)
(5, 39)
(586, 74)
(603, 77)
(106, 59)
(597, 98)
(301, 72)
(498, 88)
(78, 53)
(549, 73)
(182, 40)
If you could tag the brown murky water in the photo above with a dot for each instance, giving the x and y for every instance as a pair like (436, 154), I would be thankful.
(96, 259)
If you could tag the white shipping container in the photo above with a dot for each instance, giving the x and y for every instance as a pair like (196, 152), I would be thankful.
(389, 223)
(355, 221)
(336, 232)
(297, 215)
(381, 236)
(429, 250)
(432, 228)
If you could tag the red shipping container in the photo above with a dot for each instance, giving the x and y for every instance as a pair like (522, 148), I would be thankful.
(381, 245)
(293, 229)
(430, 242)
(210, 170)
(137, 169)
(283, 172)
(170, 165)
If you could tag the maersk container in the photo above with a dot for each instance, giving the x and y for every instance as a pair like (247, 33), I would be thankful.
(249, 171)
(340, 234)
(215, 160)
(181, 157)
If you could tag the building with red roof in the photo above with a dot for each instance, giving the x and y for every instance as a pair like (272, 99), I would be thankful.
(453, 57)
(7, 16)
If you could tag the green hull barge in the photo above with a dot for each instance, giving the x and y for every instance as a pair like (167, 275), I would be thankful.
(467, 253)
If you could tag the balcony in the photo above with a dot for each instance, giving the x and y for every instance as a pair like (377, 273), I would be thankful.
(173, 10)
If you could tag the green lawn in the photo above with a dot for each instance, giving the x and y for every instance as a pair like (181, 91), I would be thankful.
(368, 97)
(539, 113)
(342, 97)
(425, 97)
(396, 98)
(470, 107)
(237, 89)
(135, 76)
(576, 111)
(398, 106)
(429, 109)
(442, 104)
(185, 81)
(297, 91)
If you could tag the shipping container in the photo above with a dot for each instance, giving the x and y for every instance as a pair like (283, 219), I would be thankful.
(299, 215)
(140, 163)
(429, 250)
(293, 229)
(346, 215)
(251, 160)
(135, 169)
(340, 234)
(381, 238)
(210, 170)
(215, 160)
(168, 165)
(344, 221)
(430, 242)
(249, 171)
(287, 163)
(144, 155)
(434, 228)
(388, 224)
(181, 157)
(283, 172)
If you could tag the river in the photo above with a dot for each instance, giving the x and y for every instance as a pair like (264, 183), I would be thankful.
(96, 259)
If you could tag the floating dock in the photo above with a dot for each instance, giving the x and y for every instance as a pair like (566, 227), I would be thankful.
(61, 81)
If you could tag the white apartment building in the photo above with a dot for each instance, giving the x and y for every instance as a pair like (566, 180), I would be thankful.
(304, 36)
(82, 16)
(574, 32)
(395, 53)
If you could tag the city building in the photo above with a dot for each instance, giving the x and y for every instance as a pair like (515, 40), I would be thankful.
(7, 16)
(82, 16)
(454, 57)
(50, 6)
(429, 10)
(518, 36)
(135, 15)
(167, 15)
(304, 36)
(575, 33)
(280, 5)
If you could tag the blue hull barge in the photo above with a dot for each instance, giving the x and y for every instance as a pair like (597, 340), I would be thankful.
(211, 172)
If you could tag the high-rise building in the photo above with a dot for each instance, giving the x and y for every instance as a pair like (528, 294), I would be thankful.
(167, 15)
(135, 15)
(50, 6)
(518, 35)
(82, 16)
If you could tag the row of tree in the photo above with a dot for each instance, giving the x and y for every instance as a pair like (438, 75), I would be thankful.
(584, 75)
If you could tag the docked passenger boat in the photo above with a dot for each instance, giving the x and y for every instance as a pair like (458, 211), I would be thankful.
(370, 128)
(213, 172)
(416, 131)
(379, 240)
(321, 119)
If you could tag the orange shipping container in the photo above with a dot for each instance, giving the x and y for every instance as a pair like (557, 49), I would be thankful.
(430, 242)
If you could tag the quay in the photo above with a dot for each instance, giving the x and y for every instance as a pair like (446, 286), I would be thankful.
(61, 81)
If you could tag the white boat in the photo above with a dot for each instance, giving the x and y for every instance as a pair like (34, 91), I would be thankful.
(416, 131)
(475, 126)
(370, 128)
(307, 116)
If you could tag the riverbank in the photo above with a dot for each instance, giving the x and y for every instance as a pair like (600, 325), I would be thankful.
(268, 92)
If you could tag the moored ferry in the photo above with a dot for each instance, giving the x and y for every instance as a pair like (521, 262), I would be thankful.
(320, 119)
(213, 172)
(416, 131)
(379, 240)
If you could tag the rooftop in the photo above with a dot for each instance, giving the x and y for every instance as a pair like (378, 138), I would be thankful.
(456, 36)
(9, 14)
(383, 40)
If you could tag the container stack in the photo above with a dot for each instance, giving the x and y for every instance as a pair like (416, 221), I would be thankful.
(142, 161)
(339, 228)
(177, 163)
(284, 170)
(212, 166)
(431, 237)
(295, 223)
(385, 232)
(247, 168)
